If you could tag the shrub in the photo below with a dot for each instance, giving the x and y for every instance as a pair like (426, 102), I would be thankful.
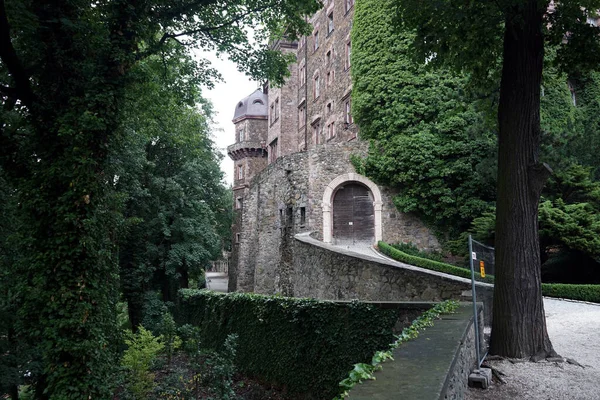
(143, 349)
(589, 293)
(430, 264)
(413, 250)
(305, 344)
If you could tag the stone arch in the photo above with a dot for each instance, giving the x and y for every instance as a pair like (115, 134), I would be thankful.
(328, 201)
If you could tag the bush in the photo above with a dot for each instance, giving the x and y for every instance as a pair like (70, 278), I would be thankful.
(305, 344)
(142, 351)
(430, 264)
(589, 293)
(413, 250)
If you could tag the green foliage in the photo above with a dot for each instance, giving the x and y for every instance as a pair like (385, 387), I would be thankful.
(137, 359)
(364, 371)
(67, 71)
(168, 332)
(413, 250)
(305, 344)
(589, 293)
(430, 264)
(429, 139)
(220, 368)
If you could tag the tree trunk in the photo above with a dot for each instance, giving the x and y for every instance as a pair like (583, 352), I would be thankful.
(519, 324)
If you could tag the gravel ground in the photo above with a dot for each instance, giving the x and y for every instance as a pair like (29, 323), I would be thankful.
(574, 329)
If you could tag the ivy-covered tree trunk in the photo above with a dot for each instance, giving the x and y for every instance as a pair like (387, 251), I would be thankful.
(519, 325)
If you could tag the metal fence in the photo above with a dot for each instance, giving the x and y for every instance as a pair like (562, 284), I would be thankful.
(482, 263)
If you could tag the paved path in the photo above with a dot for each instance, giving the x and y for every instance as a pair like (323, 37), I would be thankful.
(217, 281)
(574, 329)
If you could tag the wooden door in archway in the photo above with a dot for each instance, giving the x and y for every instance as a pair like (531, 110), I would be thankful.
(353, 214)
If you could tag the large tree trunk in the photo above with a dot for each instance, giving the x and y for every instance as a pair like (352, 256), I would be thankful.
(519, 324)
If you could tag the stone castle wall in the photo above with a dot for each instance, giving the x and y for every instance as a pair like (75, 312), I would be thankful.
(286, 199)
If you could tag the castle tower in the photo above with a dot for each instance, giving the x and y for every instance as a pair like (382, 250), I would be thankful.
(249, 155)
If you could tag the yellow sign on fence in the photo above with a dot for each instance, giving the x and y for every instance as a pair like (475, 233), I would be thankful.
(482, 268)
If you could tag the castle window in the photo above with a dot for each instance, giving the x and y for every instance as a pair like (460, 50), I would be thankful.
(258, 101)
(276, 109)
(302, 73)
(348, 52)
(241, 134)
(272, 113)
(330, 77)
(237, 237)
(302, 216)
(240, 172)
(330, 130)
(349, 5)
(301, 116)
(273, 151)
(329, 108)
(316, 88)
(316, 128)
(328, 54)
(239, 202)
(316, 37)
(330, 23)
(347, 112)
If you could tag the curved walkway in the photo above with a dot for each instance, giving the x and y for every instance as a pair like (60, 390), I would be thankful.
(574, 328)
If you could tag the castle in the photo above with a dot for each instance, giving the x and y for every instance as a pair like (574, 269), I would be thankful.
(292, 165)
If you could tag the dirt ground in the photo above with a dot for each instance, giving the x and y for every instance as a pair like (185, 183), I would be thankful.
(574, 328)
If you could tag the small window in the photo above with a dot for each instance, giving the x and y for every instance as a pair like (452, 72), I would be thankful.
(316, 36)
(316, 128)
(241, 134)
(329, 108)
(349, 5)
(330, 130)
(348, 112)
(258, 101)
(240, 172)
(239, 203)
(240, 104)
(302, 73)
(330, 23)
(301, 116)
(237, 237)
(348, 53)
(276, 109)
(302, 216)
(330, 77)
(273, 148)
(316, 89)
(272, 113)
(328, 55)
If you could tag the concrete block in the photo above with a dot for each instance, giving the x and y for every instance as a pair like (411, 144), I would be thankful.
(481, 378)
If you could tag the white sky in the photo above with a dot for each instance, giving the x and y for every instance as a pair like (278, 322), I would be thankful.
(224, 98)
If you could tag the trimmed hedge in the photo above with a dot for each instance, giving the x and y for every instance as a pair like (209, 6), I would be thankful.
(306, 345)
(430, 264)
(589, 293)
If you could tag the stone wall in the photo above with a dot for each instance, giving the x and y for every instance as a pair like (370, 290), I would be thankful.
(286, 199)
(435, 365)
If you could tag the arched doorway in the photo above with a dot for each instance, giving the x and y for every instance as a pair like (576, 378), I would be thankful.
(353, 214)
(352, 210)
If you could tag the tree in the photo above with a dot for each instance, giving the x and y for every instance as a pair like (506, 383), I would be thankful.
(476, 36)
(429, 138)
(169, 172)
(65, 69)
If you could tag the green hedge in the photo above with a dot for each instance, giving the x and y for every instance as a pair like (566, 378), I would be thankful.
(430, 264)
(306, 345)
(589, 293)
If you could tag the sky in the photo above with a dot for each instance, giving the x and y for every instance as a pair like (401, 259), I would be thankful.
(224, 97)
